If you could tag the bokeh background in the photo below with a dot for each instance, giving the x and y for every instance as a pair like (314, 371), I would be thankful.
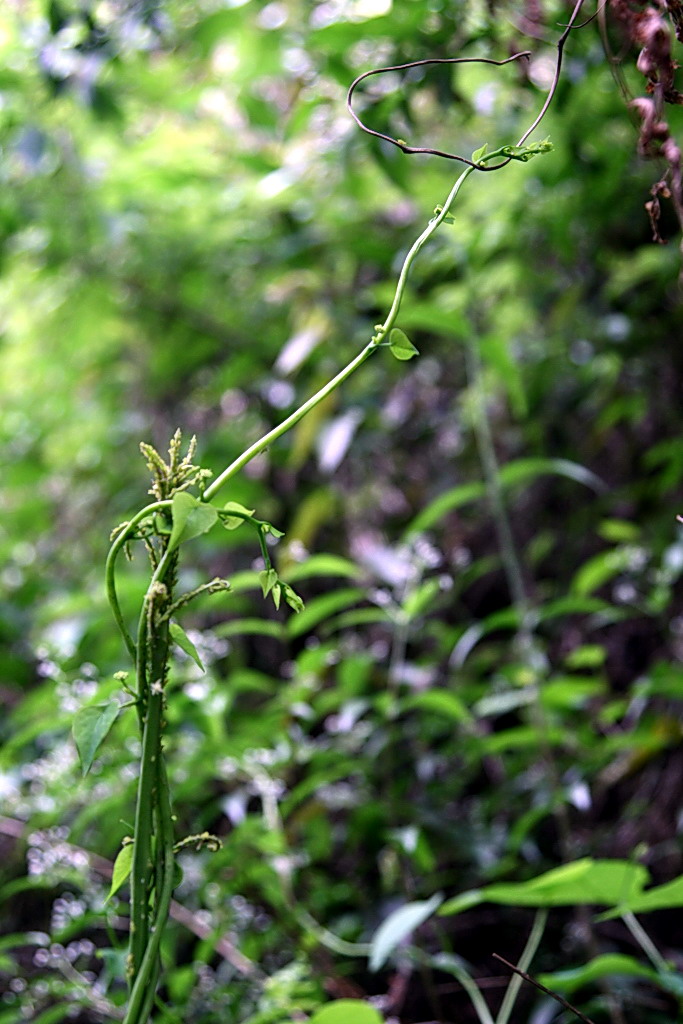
(486, 681)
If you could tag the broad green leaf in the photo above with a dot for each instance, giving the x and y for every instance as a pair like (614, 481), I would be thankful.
(251, 627)
(586, 881)
(603, 966)
(322, 565)
(357, 617)
(183, 641)
(440, 702)
(517, 472)
(122, 867)
(346, 1011)
(190, 518)
(322, 608)
(618, 531)
(400, 345)
(659, 897)
(523, 470)
(503, 703)
(566, 692)
(398, 926)
(437, 509)
(233, 522)
(90, 726)
(601, 568)
(586, 656)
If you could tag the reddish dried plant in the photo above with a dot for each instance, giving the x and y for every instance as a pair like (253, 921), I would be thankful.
(653, 28)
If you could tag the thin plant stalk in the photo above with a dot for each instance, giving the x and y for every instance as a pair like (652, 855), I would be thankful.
(532, 944)
(272, 435)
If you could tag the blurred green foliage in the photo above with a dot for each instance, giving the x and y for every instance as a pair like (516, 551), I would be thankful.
(194, 233)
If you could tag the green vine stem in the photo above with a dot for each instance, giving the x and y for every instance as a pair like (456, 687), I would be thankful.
(375, 342)
(152, 869)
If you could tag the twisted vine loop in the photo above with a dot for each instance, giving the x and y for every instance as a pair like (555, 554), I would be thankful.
(523, 54)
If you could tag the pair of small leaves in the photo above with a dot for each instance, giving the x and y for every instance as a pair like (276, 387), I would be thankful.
(272, 584)
(241, 515)
(523, 153)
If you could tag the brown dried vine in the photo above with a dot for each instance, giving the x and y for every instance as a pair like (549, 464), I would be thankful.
(652, 28)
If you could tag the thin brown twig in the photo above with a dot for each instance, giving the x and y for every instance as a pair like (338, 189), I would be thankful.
(403, 146)
(547, 991)
(411, 150)
(558, 68)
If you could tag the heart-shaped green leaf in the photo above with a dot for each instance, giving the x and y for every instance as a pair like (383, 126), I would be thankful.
(401, 346)
(190, 518)
(90, 726)
(233, 522)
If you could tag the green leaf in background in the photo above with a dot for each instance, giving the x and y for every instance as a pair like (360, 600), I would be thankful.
(398, 926)
(122, 866)
(600, 569)
(322, 565)
(191, 518)
(518, 471)
(659, 897)
(346, 1011)
(321, 608)
(233, 522)
(603, 966)
(90, 726)
(183, 641)
(440, 702)
(586, 881)
(401, 346)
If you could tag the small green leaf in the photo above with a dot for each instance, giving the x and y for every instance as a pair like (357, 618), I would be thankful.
(277, 594)
(191, 518)
(233, 522)
(122, 867)
(162, 524)
(525, 153)
(346, 1011)
(401, 346)
(90, 726)
(479, 153)
(292, 598)
(398, 926)
(269, 528)
(183, 641)
(267, 579)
